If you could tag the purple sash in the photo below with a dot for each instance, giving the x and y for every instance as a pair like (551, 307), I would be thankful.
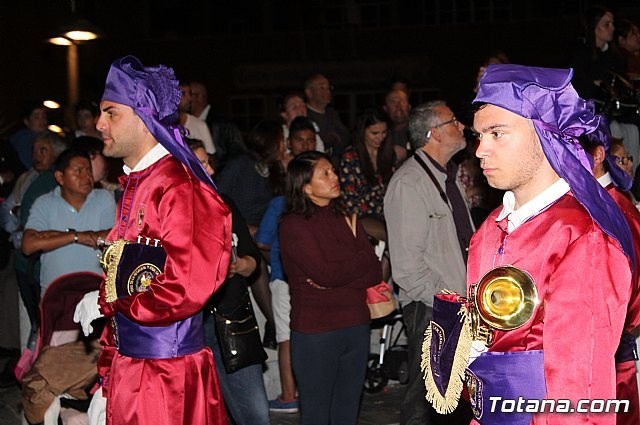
(159, 342)
(508, 376)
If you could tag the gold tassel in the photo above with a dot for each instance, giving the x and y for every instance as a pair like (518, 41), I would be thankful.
(447, 403)
(112, 256)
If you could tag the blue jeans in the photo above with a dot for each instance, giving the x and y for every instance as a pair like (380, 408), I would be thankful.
(330, 368)
(243, 390)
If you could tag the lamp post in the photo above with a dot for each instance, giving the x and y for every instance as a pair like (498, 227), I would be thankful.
(78, 31)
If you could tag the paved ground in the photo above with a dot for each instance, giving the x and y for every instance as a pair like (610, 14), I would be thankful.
(382, 408)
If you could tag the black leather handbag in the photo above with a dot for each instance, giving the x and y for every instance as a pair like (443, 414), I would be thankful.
(239, 336)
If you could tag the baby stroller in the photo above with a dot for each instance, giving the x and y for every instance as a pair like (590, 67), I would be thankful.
(390, 362)
(64, 363)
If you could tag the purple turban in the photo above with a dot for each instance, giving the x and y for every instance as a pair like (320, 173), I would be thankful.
(560, 116)
(154, 95)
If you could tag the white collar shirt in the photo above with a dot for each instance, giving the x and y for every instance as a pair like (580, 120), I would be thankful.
(536, 205)
(154, 155)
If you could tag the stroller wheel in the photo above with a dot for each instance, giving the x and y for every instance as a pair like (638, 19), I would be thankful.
(375, 380)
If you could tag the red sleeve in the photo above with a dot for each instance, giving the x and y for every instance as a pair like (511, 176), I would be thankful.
(585, 308)
(633, 218)
(196, 235)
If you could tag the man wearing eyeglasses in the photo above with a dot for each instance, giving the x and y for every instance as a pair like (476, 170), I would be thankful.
(429, 229)
(621, 156)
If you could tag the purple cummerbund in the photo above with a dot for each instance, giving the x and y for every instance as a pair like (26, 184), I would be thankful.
(627, 350)
(516, 375)
(159, 342)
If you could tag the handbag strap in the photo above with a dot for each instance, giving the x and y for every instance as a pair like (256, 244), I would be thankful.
(443, 195)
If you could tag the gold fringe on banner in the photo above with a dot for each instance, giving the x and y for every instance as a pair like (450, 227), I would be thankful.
(111, 259)
(447, 403)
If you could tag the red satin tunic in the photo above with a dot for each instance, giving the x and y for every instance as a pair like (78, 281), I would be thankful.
(166, 202)
(584, 283)
(626, 373)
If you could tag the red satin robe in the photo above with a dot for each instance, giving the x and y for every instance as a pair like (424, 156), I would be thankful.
(583, 280)
(166, 202)
(626, 373)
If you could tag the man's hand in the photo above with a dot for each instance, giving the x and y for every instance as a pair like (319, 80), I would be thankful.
(88, 238)
(315, 285)
(87, 311)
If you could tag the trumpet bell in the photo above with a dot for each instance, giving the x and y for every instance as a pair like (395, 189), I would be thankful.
(506, 297)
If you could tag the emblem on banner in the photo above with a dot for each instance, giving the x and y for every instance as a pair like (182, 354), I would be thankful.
(141, 278)
(474, 386)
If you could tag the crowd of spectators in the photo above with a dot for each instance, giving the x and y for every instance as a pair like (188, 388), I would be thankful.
(58, 202)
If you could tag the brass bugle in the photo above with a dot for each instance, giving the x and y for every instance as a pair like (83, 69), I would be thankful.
(504, 299)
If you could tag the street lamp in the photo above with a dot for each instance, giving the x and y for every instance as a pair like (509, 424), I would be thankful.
(76, 31)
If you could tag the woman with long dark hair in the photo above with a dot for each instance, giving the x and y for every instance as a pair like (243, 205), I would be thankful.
(365, 170)
(596, 60)
(329, 263)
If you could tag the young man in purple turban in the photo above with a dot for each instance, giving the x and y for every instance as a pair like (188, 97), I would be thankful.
(561, 227)
(168, 252)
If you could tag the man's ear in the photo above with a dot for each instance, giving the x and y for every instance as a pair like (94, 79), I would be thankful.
(58, 177)
(599, 155)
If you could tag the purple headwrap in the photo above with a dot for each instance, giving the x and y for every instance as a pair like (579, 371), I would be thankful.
(560, 116)
(154, 95)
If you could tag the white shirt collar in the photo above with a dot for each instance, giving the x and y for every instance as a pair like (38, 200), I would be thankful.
(154, 155)
(605, 180)
(531, 208)
(205, 113)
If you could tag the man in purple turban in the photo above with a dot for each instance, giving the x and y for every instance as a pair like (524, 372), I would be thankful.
(167, 253)
(562, 228)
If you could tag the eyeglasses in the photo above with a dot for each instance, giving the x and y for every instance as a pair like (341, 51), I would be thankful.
(453, 120)
(623, 160)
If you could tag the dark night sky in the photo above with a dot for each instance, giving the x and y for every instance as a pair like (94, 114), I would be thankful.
(250, 48)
